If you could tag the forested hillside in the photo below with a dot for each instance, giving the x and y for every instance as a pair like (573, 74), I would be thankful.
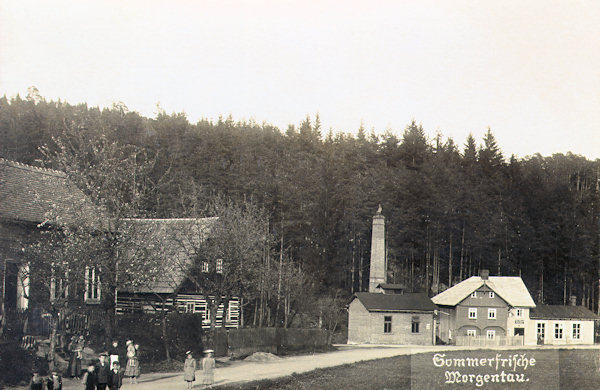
(452, 207)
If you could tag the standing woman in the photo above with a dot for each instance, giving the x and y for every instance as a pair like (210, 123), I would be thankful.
(72, 356)
(189, 369)
(133, 365)
(79, 346)
(208, 366)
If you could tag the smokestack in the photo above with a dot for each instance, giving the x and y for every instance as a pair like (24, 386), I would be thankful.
(485, 274)
(573, 300)
(378, 271)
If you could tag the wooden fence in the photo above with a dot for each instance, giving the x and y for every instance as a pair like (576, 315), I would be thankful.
(483, 341)
(243, 342)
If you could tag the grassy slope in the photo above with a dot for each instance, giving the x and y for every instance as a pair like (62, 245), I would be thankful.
(564, 369)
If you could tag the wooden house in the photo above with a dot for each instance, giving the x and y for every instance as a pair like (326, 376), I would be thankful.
(387, 314)
(27, 197)
(169, 244)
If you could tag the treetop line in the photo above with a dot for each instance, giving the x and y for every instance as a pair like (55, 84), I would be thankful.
(450, 210)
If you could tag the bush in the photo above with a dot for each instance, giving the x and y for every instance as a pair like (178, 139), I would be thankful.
(16, 365)
(184, 332)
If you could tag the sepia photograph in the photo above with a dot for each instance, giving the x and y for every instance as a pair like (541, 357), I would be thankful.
(298, 195)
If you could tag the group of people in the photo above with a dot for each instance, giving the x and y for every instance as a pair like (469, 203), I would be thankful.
(208, 368)
(53, 382)
(108, 373)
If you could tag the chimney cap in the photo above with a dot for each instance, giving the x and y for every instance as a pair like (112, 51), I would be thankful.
(484, 274)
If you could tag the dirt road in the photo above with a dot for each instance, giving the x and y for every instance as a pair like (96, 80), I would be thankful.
(243, 371)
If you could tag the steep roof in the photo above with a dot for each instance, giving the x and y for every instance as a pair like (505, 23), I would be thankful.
(29, 194)
(395, 302)
(560, 312)
(169, 244)
(510, 288)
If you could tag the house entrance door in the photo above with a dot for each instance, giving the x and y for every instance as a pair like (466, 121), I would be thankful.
(10, 285)
(519, 331)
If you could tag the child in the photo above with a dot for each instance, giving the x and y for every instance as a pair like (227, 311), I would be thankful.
(208, 366)
(37, 382)
(89, 379)
(115, 380)
(189, 369)
(54, 381)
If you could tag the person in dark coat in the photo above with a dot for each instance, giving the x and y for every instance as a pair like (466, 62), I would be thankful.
(54, 381)
(89, 379)
(102, 372)
(36, 382)
(115, 380)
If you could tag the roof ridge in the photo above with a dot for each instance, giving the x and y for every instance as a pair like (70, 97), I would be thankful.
(43, 170)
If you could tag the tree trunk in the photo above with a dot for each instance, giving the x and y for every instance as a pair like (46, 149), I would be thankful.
(165, 336)
(462, 251)
(450, 263)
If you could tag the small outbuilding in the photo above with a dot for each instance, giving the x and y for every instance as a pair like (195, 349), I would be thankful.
(376, 318)
(562, 325)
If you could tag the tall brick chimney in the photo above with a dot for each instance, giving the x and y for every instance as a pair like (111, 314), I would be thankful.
(378, 271)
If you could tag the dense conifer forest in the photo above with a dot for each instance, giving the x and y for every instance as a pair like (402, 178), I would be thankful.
(452, 207)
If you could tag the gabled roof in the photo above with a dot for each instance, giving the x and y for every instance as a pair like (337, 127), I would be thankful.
(561, 312)
(510, 288)
(169, 244)
(29, 194)
(395, 302)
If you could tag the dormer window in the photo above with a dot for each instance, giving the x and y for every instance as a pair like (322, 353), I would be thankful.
(205, 267)
(492, 295)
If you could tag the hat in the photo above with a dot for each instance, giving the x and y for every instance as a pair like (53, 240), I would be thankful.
(104, 354)
(208, 351)
(188, 352)
(129, 342)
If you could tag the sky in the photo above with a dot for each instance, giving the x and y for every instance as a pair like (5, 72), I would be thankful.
(529, 70)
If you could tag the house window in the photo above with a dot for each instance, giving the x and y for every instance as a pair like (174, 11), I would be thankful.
(474, 294)
(202, 308)
(387, 324)
(219, 267)
(471, 333)
(415, 324)
(472, 313)
(490, 334)
(189, 307)
(205, 266)
(541, 330)
(492, 295)
(558, 330)
(92, 285)
(59, 287)
(491, 314)
(576, 331)
(519, 313)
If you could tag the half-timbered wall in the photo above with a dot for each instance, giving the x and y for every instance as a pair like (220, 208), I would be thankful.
(185, 303)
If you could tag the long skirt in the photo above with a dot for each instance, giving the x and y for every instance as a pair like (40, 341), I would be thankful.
(74, 365)
(133, 367)
(208, 377)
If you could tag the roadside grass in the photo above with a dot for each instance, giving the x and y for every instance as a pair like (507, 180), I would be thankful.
(553, 369)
